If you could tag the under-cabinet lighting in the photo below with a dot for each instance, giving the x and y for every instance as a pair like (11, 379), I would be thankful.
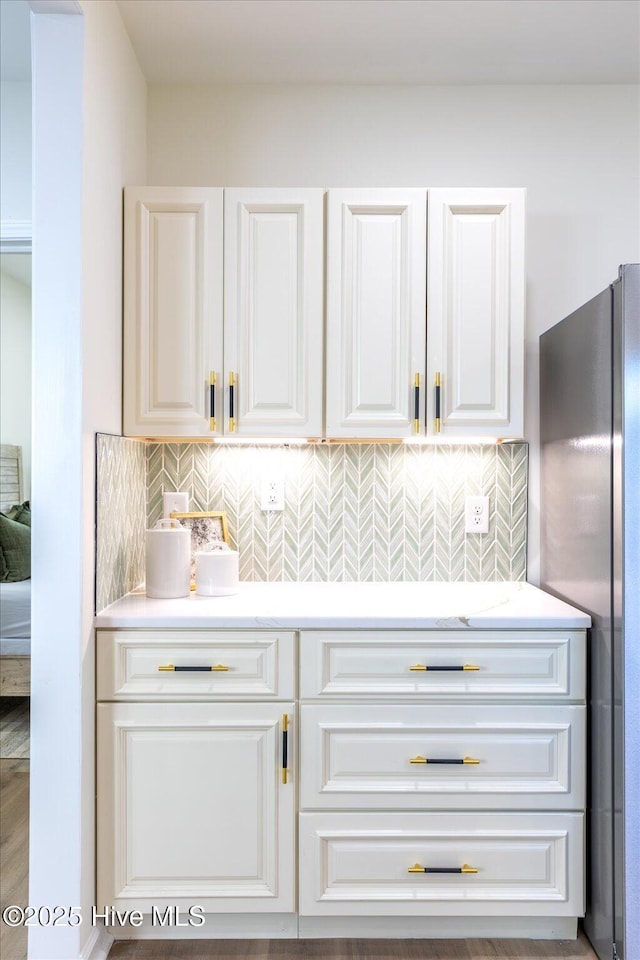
(261, 441)
(441, 441)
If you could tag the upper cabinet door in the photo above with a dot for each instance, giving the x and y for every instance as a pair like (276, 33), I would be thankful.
(172, 310)
(273, 338)
(475, 312)
(376, 262)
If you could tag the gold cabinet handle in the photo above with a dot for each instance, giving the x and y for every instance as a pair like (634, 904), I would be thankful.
(217, 668)
(416, 403)
(438, 386)
(212, 401)
(285, 747)
(445, 669)
(233, 382)
(465, 868)
(456, 760)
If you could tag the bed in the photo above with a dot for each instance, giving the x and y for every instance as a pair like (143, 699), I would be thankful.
(15, 598)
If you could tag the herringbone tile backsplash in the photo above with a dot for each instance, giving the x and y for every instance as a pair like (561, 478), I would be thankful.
(120, 517)
(356, 511)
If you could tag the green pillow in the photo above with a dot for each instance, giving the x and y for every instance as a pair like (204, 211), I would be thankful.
(15, 550)
(21, 513)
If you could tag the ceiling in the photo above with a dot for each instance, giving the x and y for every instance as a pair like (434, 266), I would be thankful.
(385, 41)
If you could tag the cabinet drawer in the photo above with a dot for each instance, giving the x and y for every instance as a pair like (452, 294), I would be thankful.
(371, 757)
(253, 665)
(358, 864)
(518, 664)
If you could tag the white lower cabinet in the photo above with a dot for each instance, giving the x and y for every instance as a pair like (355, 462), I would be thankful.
(441, 864)
(192, 808)
(430, 757)
(442, 779)
(442, 774)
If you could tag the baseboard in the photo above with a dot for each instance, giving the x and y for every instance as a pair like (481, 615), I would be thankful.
(218, 926)
(439, 928)
(98, 945)
(287, 926)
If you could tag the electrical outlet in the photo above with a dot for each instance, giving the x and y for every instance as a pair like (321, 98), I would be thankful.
(476, 514)
(272, 494)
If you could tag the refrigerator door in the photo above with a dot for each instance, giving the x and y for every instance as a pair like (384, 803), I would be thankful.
(576, 445)
(626, 607)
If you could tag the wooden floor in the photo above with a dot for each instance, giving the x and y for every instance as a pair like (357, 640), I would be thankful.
(14, 731)
(14, 853)
(352, 950)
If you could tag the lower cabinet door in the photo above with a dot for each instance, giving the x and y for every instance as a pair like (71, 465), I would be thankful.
(192, 807)
(441, 864)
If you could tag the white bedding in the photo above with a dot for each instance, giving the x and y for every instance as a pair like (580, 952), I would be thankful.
(15, 617)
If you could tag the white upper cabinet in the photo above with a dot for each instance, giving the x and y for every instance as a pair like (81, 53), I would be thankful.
(273, 334)
(172, 309)
(376, 264)
(475, 312)
(407, 308)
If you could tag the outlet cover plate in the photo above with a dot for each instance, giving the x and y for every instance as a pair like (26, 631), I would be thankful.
(476, 514)
(272, 497)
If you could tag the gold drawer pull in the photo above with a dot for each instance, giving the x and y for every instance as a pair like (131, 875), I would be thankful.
(420, 759)
(448, 669)
(465, 868)
(437, 418)
(218, 668)
(285, 748)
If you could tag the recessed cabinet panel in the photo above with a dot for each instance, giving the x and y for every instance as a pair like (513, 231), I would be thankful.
(192, 808)
(475, 312)
(274, 311)
(506, 664)
(375, 311)
(136, 665)
(172, 309)
(521, 864)
(452, 757)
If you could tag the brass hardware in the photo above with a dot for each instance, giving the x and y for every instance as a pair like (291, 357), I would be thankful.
(285, 747)
(420, 759)
(465, 666)
(438, 389)
(233, 381)
(212, 400)
(416, 403)
(218, 668)
(465, 868)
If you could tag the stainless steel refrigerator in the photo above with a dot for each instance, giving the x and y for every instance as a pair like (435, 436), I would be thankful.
(590, 461)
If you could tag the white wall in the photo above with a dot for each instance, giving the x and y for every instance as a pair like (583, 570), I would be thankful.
(15, 370)
(115, 154)
(15, 150)
(89, 141)
(575, 148)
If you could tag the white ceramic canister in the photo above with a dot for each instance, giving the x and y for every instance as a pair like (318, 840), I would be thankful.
(168, 560)
(217, 570)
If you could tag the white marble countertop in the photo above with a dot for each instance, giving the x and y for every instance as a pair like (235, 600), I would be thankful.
(297, 606)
